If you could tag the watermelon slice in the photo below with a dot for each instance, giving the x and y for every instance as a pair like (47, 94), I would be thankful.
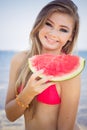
(61, 67)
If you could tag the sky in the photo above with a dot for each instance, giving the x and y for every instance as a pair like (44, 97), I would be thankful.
(17, 18)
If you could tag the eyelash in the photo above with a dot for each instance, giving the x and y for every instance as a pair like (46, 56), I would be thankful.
(62, 30)
(48, 24)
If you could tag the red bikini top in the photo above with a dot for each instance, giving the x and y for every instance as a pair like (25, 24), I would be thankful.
(48, 96)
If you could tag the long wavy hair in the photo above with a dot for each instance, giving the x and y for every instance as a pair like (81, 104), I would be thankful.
(60, 6)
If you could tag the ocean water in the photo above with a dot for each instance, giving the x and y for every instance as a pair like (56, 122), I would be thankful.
(5, 59)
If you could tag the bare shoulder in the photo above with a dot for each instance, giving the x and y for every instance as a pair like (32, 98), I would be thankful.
(17, 62)
(19, 58)
(71, 87)
(72, 82)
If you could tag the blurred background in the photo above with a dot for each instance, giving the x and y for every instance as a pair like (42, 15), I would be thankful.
(16, 20)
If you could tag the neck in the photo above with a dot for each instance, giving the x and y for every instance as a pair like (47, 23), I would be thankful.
(51, 52)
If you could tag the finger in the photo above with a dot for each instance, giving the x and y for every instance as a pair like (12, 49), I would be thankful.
(41, 81)
(45, 86)
(36, 74)
(44, 80)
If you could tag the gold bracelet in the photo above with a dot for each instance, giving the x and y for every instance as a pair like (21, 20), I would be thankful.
(20, 103)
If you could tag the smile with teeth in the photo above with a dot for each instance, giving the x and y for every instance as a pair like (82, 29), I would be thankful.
(51, 40)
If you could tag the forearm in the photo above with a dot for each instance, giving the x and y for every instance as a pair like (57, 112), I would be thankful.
(14, 110)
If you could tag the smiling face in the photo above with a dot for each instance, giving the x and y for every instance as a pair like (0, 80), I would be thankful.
(55, 33)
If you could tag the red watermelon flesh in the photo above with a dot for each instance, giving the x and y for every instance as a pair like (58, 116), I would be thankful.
(62, 67)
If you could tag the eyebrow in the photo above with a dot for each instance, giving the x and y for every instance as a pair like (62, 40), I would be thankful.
(64, 26)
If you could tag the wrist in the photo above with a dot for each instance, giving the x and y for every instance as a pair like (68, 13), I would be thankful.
(21, 103)
(24, 99)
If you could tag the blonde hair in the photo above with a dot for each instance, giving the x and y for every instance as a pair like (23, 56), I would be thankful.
(62, 6)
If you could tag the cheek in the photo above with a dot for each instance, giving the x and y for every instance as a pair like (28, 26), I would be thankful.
(41, 33)
(66, 38)
(63, 40)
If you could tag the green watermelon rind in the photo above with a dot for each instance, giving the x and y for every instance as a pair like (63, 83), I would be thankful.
(63, 77)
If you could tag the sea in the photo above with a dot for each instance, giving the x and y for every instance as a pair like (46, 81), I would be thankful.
(5, 60)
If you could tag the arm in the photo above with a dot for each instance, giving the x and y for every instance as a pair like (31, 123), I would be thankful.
(13, 111)
(70, 95)
(32, 88)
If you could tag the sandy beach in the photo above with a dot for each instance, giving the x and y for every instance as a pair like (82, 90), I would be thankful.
(7, 125)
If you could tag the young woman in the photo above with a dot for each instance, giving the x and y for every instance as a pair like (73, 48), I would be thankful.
(55, 31)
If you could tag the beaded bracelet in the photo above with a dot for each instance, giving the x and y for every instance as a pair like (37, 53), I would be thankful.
(20, 103)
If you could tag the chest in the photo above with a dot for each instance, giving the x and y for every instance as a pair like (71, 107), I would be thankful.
(45, 117)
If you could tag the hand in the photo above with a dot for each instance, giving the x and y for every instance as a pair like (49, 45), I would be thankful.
(36, 85)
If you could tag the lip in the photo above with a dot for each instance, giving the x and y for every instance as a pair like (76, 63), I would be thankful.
(51, 40)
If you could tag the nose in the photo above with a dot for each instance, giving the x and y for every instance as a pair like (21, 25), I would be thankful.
(54, 34)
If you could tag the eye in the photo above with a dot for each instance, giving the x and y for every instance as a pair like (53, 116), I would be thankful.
(48, 24)
(64, 30)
